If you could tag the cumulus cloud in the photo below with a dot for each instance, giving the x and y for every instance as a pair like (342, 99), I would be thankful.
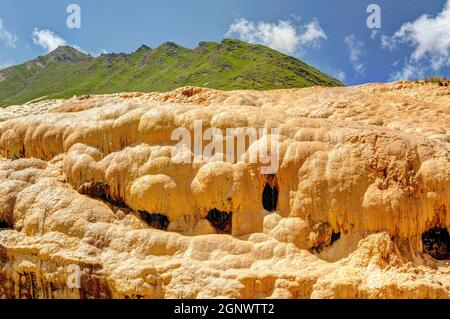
(357, 52)
(312, 34)
(410, 71)
(50, 41)
(8, 38)
(283, 36)
(428, 36)
(47, 39)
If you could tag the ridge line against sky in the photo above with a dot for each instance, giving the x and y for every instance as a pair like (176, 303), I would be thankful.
(413, 40)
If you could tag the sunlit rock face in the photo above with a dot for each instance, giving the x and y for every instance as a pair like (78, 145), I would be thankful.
(357, 207)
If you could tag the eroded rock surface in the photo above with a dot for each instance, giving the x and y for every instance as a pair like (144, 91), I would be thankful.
(358, 208)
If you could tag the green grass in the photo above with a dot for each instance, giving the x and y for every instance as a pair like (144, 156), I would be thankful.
(229, 65)
(436, 79)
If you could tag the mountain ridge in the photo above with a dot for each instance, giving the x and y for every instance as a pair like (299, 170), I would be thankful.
(228, 65)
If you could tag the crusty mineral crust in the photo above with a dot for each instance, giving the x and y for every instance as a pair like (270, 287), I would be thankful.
(364, 172)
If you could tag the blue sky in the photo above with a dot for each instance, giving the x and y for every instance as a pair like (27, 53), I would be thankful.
(330, 35)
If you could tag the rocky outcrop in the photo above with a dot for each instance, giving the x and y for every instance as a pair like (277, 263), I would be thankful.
(357, 208)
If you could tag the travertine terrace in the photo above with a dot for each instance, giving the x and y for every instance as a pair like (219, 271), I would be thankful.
(358, 208)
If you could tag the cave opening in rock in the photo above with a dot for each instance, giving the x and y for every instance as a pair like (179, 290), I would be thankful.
(335, 237)
(221, 221)
(5, 225)
(157, 221)
(436, 243)
(270, 197)
(322, 236)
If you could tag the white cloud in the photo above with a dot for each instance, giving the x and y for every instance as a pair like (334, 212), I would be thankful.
(388, 43)
(47, 39)
(428, 36)
(374, 33)
(8, 38)
(283, 36)
(50, 41)
(98, 53)
(312, 34)
(340, 75)
(357, 52)
(410, 71)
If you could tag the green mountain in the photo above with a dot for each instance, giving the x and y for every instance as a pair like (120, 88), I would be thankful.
(229, 65)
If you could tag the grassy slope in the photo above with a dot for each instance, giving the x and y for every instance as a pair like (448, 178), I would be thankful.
(228, 65)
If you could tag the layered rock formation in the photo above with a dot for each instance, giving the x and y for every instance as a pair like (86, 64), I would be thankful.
(357, 209)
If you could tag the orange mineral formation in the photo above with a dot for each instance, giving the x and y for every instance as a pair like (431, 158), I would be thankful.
(94, 205)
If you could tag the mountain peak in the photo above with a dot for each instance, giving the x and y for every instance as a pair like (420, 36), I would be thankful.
(65, 48)
(143, 48)
(170, 48)
(232, 40)
(67, 54)
(235, 41)
(170, 44)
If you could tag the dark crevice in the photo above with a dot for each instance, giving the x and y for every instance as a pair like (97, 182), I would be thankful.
(436, 243)
(270, 194)
(157, 221)
(270, 198)
(5, 225)
(322, 236)
(119, 204)
(221, 221)
(101, 190)
(335, 237)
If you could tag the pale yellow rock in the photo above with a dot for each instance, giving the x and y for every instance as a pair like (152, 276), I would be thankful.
(363, 173)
